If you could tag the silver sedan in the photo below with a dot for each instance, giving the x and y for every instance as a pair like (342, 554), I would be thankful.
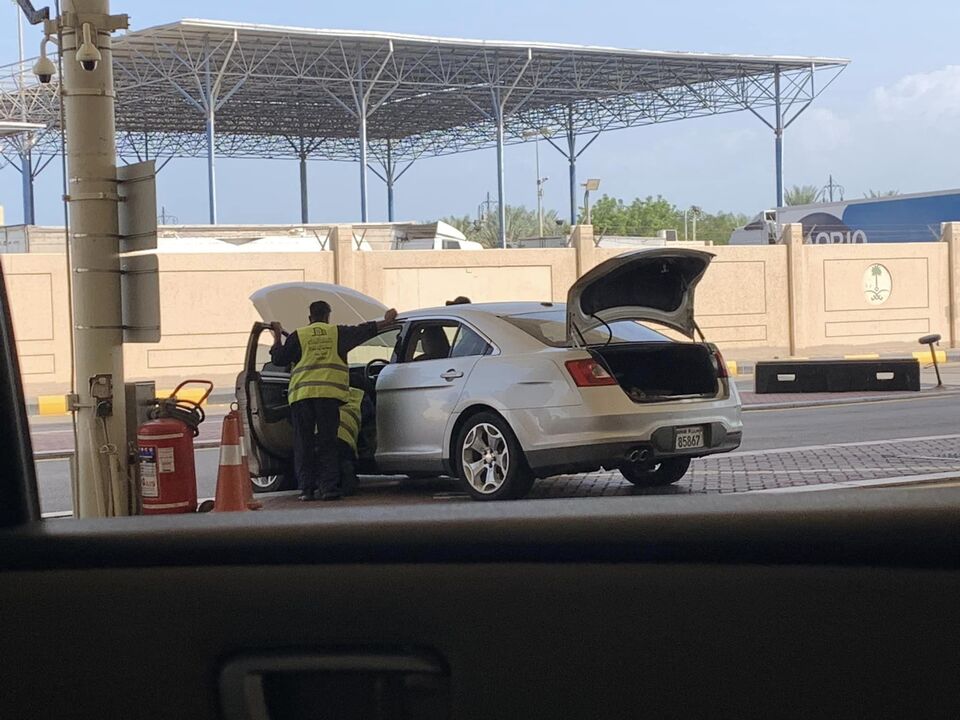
(500, 394)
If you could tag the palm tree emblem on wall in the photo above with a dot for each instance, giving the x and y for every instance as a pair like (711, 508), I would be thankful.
(877, 284)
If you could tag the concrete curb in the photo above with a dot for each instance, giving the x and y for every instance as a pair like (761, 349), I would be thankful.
(738, 368)
(854, 398)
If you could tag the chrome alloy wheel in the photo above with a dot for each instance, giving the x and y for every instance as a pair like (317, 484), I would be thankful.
(485, 458)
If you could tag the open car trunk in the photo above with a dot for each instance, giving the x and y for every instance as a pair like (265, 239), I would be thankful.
(650, 372)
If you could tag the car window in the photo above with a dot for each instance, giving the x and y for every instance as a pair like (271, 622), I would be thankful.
(430, 341)
(451, 244)
(469, 343)
(380, 347)
(550, 328)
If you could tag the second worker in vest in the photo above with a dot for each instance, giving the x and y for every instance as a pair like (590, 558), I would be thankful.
(319, 385)
(354, 414)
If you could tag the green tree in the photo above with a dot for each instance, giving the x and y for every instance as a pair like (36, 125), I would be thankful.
(465, 224)
(642, 217)
(801, 195)
(876, 194)
(716, 228)
(521, 223)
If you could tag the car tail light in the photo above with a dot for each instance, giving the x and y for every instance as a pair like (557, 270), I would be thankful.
(589, 373)
(722, 371)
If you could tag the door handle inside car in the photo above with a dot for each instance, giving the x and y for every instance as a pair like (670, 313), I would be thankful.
(451, 374)
(360, 683)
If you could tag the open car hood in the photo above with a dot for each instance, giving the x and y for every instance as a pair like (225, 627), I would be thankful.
(652, 284)
(289, 303)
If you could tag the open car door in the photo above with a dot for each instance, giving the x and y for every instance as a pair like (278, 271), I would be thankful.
(265, 412)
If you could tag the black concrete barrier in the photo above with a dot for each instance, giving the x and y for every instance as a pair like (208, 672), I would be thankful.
(813, 376)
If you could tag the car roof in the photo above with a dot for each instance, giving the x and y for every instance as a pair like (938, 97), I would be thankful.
(499, 309)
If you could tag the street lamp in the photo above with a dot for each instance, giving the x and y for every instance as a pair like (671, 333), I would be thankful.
(696, 212)
(591, 185)
(538, 133)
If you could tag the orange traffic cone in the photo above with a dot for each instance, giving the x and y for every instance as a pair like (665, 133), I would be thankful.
(252, 502)
(230, 477)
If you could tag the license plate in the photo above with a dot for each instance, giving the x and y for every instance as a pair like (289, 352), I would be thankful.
(688, 438)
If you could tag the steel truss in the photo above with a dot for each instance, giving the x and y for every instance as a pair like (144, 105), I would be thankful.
(211, 89)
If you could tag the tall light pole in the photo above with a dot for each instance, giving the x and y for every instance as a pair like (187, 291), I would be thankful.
(537, 134)
(589, 186)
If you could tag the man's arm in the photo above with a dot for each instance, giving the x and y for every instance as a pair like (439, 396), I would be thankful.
(284, 353)
(352, 335)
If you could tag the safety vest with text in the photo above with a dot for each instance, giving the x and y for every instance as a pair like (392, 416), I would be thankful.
(349, 430)
(320, 372)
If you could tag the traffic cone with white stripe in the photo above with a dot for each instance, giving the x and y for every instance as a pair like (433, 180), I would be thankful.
(231, 477)
(252, 502)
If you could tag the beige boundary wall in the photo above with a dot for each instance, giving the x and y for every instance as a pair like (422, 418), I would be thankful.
(755, 302)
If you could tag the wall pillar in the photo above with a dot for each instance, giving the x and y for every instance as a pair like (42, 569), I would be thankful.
(344, 255)
(792, 237)
(581, 240)
(951, 236)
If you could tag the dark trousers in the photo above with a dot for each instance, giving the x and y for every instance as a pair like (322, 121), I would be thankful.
(315, 422)
(348, 468)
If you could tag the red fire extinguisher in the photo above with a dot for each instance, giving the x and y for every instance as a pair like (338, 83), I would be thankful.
(168, 477)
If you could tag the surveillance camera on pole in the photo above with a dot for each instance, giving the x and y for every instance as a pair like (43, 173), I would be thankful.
(44, 68)
(87, 54)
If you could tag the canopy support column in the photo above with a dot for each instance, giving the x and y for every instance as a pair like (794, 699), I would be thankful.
(572, 159)
(388, 168)
(304, 210)
(501, 206)
(212, 163)
(363, 153)
(778, 134)
(26, 176)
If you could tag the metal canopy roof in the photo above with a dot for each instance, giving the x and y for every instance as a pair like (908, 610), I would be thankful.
(199, 87)
(286, 91)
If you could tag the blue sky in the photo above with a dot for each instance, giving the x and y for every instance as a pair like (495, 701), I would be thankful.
(891, 121)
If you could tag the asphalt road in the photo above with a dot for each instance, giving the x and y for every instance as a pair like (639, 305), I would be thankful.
(856, 422)
(924, 416)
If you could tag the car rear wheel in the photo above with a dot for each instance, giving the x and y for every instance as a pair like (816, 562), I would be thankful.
(490, 462)
(663, 473)
(272, 483)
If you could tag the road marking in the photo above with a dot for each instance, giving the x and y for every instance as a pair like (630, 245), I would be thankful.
(850, 484)
(925, 457)
(837, 471)
(832, 446)
(790, 405)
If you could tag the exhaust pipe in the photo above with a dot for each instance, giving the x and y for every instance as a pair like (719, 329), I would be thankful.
(638, 455)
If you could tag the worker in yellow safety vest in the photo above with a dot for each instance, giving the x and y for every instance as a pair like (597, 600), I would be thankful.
(319, 385)
(348, 437)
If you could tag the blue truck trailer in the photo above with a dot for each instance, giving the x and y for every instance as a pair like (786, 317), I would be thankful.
(898, 218)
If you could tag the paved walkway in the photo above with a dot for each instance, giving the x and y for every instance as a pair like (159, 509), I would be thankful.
(732, 473)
